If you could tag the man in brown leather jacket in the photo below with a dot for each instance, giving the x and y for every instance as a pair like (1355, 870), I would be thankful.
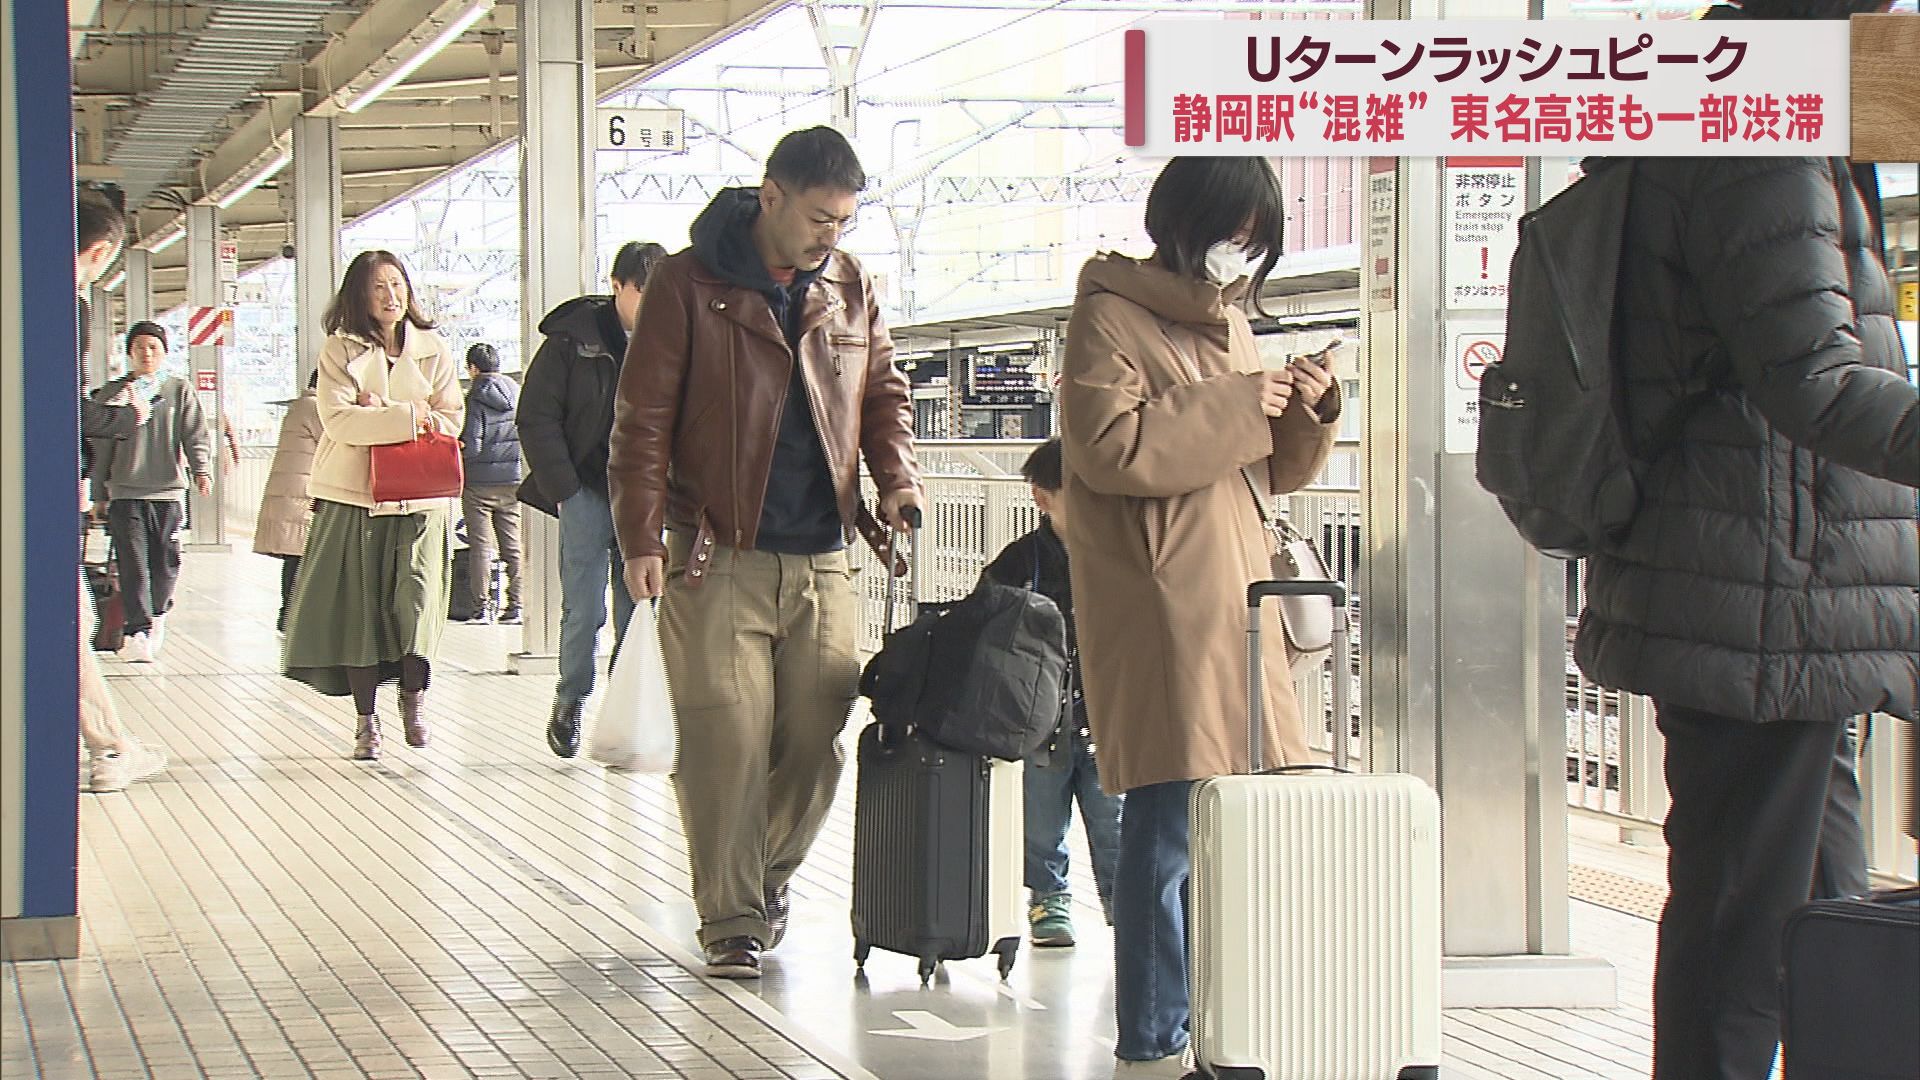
(759, 372)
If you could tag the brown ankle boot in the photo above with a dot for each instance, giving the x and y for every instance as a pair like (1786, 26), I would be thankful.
(413, 705)
(366, 739)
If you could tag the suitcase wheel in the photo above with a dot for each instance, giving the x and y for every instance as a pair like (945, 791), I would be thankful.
(860, 951)
(927, 964)
(1009, 951)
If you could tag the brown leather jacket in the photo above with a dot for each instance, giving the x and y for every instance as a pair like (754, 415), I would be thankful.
(703, 388)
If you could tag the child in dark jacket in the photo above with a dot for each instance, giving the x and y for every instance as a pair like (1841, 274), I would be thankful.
(490, 452)
(1064, 770)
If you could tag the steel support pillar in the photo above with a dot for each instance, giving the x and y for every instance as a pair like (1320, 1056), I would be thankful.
(138, 287)
(557, 245)
(206, 290)
(317, 266)
(1464, 680)
(841, 30)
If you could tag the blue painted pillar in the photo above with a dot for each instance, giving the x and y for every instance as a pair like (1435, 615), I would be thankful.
(39, 494)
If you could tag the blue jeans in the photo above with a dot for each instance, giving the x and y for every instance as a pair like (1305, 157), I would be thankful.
(589, 560)
(1067, 776)
(1150, 923)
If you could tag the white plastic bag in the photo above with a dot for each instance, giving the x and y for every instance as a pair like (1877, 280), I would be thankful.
(633, 728)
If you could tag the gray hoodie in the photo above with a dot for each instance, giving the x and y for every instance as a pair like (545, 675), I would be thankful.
(147, 464)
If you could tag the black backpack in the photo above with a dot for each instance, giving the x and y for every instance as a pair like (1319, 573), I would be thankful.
(985, 675)
(1554, 448)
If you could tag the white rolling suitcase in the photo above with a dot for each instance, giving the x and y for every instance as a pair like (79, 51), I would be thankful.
(1315, 907)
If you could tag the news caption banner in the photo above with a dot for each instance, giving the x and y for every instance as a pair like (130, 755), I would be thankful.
(1490, 88)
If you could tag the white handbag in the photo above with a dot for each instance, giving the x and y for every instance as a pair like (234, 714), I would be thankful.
(1306, 620)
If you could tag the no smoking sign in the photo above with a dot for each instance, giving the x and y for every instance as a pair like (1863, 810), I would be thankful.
(1477, 344)
(1475, 356)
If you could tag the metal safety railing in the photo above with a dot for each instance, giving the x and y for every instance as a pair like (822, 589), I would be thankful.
(244, 485)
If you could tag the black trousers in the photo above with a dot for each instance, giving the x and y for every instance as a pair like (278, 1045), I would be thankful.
(1742, 831)
(146, 546)
(289, 573)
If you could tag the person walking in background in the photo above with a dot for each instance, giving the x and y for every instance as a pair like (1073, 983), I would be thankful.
(490, 450)
(140, 488)
(371, 599)
(565, 419)
(760, 375)
(1064, 771)
(115, 758)
(286, 509)
(1170, 426)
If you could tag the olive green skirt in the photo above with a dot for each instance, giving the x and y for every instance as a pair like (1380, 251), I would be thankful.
(370, 591)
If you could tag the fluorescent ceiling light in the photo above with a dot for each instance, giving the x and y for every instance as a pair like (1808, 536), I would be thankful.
(262, 175)
(165, 238)
(1017, 346)
(399, 72)
(115, 281)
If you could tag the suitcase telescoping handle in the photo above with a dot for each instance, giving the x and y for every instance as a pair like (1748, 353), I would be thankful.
(890, 559)
(1257, 593)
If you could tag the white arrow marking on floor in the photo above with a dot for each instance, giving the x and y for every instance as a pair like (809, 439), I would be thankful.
(925, 1025)
(1016, 996)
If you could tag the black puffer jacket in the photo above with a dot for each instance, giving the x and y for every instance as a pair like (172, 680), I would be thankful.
(490, 443)
(566, 401)
(1774, 572)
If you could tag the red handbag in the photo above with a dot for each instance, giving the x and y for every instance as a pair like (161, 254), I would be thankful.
(427, 467)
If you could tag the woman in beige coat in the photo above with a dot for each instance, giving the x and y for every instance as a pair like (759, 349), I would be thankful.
(285, 507)
(1164, 402)
(371, 599)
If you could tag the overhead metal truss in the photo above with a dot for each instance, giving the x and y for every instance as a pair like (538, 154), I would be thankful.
(700, 188)
(1047, 190)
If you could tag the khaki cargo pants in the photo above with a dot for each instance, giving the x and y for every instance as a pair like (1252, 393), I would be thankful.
(762, 661)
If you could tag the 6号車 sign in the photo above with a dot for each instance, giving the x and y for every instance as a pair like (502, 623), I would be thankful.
(662, 130)
(1488, 87)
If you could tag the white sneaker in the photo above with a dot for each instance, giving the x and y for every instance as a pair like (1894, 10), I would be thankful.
(157, 636)
(1171, 1067)
(138, 649)
(114, 772)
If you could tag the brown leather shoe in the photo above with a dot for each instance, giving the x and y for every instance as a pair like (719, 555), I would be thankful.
(413, 705)
(734, 958)
(366, 739)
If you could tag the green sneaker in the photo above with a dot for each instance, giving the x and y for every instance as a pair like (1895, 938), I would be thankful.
(1050, 920)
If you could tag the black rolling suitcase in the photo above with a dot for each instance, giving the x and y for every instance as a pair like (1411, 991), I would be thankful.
(1852, 989)
(103, 581)
(937, 847)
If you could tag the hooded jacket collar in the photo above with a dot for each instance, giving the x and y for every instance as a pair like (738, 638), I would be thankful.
(1166, 294)
(591, 323)
(723, 245)
(494, 392)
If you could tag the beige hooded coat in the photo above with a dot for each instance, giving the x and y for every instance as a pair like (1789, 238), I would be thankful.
(1163, 532)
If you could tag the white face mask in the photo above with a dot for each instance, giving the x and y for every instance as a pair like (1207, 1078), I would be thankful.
(1227, 262)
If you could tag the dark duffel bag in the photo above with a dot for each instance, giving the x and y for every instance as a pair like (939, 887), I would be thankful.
(987, 674)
